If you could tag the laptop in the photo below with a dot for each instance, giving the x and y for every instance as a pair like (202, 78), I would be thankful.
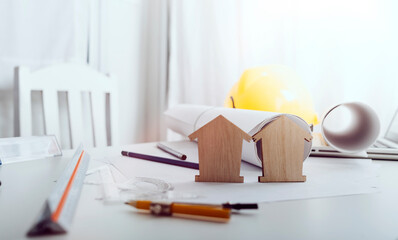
(385, 148)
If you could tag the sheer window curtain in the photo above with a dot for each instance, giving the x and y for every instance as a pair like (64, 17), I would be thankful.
(343, 50)
(36, 34)
(193, 51)
(121, 37)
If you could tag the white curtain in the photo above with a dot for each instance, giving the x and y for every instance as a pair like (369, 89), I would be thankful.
(127, 39)
(343, 50)
(35, 34)
(193, 51)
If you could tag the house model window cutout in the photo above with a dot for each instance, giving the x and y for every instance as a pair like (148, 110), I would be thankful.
(282, 143)
(220, 151)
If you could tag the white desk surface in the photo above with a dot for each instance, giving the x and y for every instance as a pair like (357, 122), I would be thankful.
(25, 186)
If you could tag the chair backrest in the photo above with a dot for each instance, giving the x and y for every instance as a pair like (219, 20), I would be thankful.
(88, 95)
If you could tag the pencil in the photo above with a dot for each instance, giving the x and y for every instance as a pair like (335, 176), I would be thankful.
(161, 160)
(171, 151)
(201, 212)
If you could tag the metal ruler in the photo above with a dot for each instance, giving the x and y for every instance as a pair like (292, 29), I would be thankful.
(56, 216)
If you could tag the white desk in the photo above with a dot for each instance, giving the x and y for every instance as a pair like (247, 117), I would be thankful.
(25, 186)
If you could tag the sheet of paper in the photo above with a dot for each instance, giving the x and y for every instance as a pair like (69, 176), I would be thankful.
(326, 177)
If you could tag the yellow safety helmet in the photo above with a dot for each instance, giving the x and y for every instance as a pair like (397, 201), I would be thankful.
(272, 88)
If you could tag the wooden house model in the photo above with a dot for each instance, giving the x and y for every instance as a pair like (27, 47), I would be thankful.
(282, 143)
(220, 151)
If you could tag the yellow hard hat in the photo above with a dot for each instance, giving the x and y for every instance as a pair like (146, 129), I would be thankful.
(272, 88)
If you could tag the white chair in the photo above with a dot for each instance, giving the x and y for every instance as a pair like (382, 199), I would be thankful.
(89, 95)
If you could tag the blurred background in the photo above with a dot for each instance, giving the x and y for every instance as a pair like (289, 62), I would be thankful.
(166, 52)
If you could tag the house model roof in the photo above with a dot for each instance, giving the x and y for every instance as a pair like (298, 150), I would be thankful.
(214, 125)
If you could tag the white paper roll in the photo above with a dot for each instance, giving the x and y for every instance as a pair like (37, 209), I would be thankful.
(361, 128)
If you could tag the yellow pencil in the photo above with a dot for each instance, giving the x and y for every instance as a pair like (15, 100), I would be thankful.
(201, 212)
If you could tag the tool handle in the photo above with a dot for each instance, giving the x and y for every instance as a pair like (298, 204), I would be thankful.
(199, 210)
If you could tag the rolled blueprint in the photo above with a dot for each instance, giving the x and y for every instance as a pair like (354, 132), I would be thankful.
(185, 119)
(362, 127)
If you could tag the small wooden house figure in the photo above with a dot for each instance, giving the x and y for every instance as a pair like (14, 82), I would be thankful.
(282, 143)
(220, 151)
